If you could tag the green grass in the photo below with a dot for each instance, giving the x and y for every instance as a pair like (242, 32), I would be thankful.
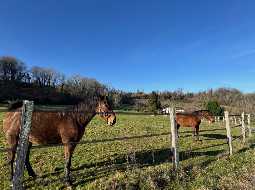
(140, 163)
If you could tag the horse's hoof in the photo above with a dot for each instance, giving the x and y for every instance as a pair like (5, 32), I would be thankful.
(34, 176)
(69, 185)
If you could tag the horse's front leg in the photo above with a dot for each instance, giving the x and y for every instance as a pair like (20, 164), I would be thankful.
(193, 132)
(178, 126)
(69, 148)
(197, 133)
(27, 163)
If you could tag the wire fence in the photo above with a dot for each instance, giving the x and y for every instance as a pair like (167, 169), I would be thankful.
(134, 155)
(3, 149)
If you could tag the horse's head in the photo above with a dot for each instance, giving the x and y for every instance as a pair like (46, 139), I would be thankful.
(209, 116)
(105, 111)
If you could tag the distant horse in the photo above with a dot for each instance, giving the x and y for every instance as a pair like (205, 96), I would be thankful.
(65, 127)
(193, 120)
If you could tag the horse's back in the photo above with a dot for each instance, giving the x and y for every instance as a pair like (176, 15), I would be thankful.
(46, 126)
(187, 120)
(11, 123)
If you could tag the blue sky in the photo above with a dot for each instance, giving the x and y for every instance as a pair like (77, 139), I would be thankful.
(136, 44)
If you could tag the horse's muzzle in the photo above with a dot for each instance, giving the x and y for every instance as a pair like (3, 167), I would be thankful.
(112, 121)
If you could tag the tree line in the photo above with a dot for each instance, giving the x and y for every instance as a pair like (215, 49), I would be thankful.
(47, 86)
(43, 85)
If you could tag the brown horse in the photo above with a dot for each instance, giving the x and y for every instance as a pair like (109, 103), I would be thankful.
(55, 127)
(193, 120)
(188, 120)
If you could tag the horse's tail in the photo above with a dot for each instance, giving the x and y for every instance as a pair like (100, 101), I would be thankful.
(13, 105)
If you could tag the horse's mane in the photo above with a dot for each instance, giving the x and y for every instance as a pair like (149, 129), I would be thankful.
(82, 111)
(201, 110)
(13, 105)
(85, 105)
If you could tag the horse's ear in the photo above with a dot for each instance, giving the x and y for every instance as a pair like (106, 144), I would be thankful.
(102, 97)
(15, 104)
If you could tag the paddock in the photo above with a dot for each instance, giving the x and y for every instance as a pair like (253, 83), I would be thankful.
(137, 142)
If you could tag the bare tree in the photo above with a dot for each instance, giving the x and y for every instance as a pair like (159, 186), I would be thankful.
(46, 77)
(84, 87)
(11, 69)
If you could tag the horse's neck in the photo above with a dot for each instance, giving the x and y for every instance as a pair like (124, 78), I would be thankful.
(84, 114)
(82, 122)
(83, 119)
(199, 114)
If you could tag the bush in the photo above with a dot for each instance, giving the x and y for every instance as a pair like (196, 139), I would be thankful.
(215, 108)
(154, 102)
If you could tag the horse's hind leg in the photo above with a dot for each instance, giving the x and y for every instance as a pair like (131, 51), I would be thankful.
(27, 162)
(12, 141)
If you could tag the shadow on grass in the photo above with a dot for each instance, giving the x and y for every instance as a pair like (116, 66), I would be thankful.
(214, 136)
(138, 160)
(207, 130)
(88, 172)
(123, 162)
(246, 147)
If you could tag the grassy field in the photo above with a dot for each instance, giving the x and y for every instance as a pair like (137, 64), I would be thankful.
(143, 163)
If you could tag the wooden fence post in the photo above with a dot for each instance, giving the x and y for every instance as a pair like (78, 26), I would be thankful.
(249, 123)
(228, 133)
(231, 120)
(243, 127)
(174, 138)
(26, 119)
(240, 120)
(235, 120)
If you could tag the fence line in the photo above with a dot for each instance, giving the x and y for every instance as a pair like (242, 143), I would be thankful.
(125, 138)
(243, 129)
(235, 126)
(94, 141)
